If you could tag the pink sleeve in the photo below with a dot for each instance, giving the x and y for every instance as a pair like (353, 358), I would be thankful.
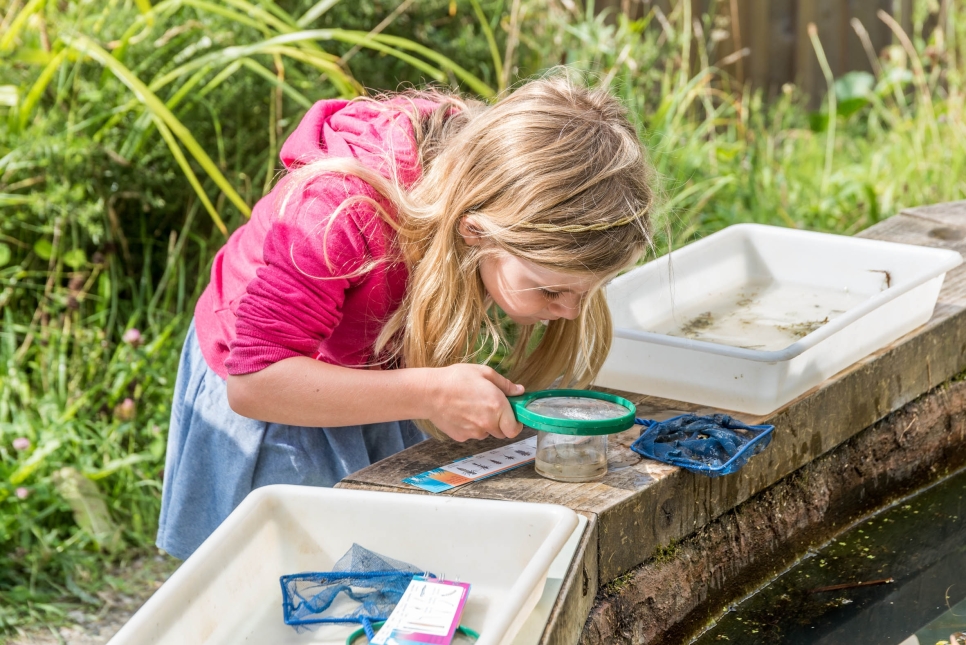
(295, 300)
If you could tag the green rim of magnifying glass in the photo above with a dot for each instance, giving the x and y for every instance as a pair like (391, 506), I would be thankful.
(351, 640)
(572, 426)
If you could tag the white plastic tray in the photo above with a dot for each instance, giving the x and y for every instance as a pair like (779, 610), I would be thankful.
(753, 316)
(536, 623)
(228, 590)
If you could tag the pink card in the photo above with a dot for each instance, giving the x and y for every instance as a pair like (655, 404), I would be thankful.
(429, 612)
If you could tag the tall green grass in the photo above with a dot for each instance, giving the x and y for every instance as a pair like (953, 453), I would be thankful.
(89, 408)
(133, 137)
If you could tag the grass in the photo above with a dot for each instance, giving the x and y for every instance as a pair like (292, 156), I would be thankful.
(132, 136)
(72, 401)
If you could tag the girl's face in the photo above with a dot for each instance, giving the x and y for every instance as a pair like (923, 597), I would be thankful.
(529, 293)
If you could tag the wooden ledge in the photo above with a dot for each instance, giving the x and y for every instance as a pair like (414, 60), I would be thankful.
(641, 505)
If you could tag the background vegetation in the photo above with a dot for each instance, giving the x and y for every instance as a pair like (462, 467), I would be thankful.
(134, 136)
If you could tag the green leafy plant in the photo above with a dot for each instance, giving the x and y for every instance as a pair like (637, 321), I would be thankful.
(133, 137)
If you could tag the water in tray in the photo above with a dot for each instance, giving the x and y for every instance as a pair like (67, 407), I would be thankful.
(765, 317)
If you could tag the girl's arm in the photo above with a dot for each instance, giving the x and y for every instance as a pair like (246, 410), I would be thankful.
(464, 401)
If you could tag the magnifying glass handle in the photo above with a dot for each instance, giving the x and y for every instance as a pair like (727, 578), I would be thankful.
(517, 403)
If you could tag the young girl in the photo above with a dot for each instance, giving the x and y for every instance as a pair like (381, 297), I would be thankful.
(356, 296)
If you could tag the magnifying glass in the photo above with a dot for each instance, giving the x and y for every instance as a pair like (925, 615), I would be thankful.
(572, 428)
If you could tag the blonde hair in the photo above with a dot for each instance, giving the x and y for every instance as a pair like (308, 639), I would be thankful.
(554, 174)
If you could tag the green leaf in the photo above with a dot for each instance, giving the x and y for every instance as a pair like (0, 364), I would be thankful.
(895, 77)
(315, 12)
(851, 106)
(10, 199)
(9, 97)
(163, 115)
(31, 56)
(853, 91)
(75, 258)
(854, 85)
(19, 22)
(818, 121)
(188, 172)
(115, 465)
(36, 459)
(461, 73)
(291, 92)
(5, 254)
(88, 506)
(39, 86)
(491, 42)
(726, 152)
(44, 249)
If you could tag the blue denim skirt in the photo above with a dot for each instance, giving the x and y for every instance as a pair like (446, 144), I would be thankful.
(215, 457)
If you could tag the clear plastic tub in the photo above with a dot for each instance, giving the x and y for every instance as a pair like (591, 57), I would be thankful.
(753, 316)
(573, 457)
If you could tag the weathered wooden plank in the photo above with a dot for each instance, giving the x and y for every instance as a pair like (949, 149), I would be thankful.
(781, 44)
(832, 14)
(663, 602)
(865, 12)
(640, 504)
(423, 457)
(905, 17)
(953, 214)
(942, 226)
(807, 74)
(759, 40)
(775, 32)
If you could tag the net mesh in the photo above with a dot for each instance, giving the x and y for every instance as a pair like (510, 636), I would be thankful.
(578, 408)
(363, 587)
(713, 445)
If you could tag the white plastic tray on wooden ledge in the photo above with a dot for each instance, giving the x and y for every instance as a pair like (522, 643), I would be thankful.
(228, 591)
(751, 317)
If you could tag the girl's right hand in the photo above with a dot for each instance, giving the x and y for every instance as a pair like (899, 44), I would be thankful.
(470, 402)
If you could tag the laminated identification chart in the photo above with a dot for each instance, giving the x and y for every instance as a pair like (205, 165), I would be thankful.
(428, 612)
(486, 464)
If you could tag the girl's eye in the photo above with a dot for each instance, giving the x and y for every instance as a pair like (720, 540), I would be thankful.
(550, 295)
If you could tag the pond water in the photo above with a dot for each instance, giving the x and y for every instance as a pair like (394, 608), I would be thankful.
(920, 544)
(764, 317)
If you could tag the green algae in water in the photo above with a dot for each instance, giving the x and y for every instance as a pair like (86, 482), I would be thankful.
(765, 317)
(920, 543)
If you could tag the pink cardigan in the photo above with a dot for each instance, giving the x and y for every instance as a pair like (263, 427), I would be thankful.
(273, 294)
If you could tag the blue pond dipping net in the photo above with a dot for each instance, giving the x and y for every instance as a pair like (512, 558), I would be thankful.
(363, 587)
(713, 445)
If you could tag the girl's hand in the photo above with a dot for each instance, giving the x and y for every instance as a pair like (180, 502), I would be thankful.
(470, 402)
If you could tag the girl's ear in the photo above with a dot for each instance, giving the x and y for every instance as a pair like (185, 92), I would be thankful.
(471, 231)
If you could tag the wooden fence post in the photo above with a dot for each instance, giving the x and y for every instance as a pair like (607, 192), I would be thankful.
(775, 33)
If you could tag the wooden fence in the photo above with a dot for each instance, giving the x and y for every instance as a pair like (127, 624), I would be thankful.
(768, 42)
